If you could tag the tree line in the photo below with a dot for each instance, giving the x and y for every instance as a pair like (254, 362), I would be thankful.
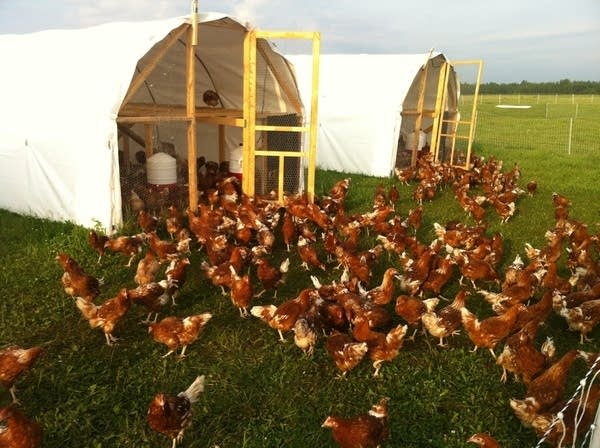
(562, 87)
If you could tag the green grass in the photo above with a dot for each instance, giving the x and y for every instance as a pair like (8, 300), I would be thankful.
(260, 392)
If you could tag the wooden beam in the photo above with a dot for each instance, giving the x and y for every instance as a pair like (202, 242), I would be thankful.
(152, 63)
(149, 138)
(314, 102)
(190, 57)
(440, 105)
(126, 130)
(282, 128)
(277, 34)
(249, 140)
(222, 155)
(223, 121)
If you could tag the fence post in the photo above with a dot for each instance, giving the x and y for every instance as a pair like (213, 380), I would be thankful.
(546, 110)
(570, 133)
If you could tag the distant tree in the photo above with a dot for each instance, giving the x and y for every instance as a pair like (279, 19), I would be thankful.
(562, 87)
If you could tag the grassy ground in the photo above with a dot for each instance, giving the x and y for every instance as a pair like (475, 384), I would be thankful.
(260, 392)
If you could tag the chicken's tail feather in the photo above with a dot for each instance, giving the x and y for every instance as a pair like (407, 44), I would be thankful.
(196, 388)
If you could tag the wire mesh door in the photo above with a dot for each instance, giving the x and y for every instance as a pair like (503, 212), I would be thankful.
(279, 150)
(454, 131)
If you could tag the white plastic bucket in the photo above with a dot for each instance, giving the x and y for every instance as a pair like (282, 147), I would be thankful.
(235, 160)
(161, 169)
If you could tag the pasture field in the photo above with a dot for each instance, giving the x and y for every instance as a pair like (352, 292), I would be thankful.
(561, 124)
(261, 392)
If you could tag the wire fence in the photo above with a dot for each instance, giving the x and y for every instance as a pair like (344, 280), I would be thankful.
(556, 123)
(565, 135)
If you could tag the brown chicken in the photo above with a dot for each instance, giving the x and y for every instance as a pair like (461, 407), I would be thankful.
(475, 269)
(218, 249)
(411, 309)
(147, 269)
(241, 291)
(339, 190)
(308, 255)
(521, 357)
(127, 245)
(176, 274)
(96, 241)
(363, 431)
(220, 275)
(305, 334)
(582, 318)
(549, 386)
(383, 293)
(577, 418)
(164, 250)
(439, 275)
(147, 222)
(483, 440)
(382, 347)
(537, 311)
(487, 333)
(153, 296)
(269, 276)
(107, 315)
(175, 332)
(171, 415)
(283, 317)
(531, 187)
(405, 175)
(560, 201)
(76, 282)
(289, 232)
(14, 362)
(447, 321)
(345, 351)
(17, 430)
(173, 222)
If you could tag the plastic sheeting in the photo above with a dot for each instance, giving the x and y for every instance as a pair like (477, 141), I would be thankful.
(361, 98)
(62, 91)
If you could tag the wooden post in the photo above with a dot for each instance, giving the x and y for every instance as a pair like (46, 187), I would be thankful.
(314, 102)
(222, 155)
(148, 139)
(473, 115)
(191, 117)
(249, 142)
(440, 103)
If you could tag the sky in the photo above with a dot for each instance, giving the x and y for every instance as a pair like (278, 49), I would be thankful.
(531, 40)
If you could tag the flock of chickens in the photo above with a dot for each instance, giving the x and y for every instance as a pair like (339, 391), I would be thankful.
(358, 316)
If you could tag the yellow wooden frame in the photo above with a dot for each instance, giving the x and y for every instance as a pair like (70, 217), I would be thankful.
(249, 112)
(442, 94)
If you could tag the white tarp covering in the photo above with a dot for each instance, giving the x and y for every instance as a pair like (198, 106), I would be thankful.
(361, 98)
(62, 90)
